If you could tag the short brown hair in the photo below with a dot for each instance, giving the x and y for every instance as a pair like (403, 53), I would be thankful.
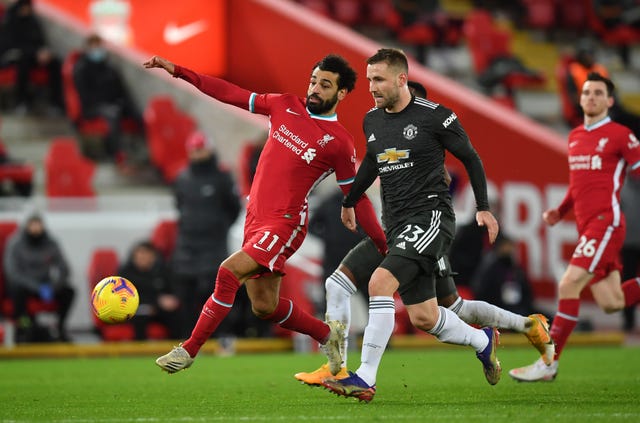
(393, 57)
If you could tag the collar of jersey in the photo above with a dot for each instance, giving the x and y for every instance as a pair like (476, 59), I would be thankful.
(321, 117)
(598, 124)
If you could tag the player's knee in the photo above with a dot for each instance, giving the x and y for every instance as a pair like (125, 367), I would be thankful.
(612, 305)
(422, 320)
(262, 307)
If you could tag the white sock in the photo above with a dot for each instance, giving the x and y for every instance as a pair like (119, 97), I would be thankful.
(451, 329)
(376, 337)
(485, 314)
(339, 290)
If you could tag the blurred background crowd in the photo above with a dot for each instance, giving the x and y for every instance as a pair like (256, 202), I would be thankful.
(107, 169)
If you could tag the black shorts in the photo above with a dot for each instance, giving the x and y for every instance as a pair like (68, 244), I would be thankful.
(414, 251)
(362, 260)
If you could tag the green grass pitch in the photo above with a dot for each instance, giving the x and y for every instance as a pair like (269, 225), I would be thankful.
(443, 385)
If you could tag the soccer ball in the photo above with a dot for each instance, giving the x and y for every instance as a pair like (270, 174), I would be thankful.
(114, 299)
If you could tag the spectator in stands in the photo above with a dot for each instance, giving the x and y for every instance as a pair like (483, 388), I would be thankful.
(585, 63)
(35, 266)
(630, 204)
(103, 94)
(147, 270)
(207, 204)
(502, 281)
(23, 44)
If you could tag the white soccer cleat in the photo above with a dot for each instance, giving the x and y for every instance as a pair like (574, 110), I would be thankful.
(175, 360)
(535, 372)
(332, 347)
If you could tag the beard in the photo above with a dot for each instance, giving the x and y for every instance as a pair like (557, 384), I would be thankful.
(323, 106)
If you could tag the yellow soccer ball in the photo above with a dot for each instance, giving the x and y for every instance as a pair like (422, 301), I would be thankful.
(114, 299)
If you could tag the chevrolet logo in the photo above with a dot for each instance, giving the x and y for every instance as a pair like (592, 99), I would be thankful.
(391, 155)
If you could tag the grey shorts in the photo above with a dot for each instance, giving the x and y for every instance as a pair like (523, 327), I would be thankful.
(416, 253)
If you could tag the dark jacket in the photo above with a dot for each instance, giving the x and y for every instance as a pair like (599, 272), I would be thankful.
(207, 204)
(149, 283)
(28, 264)
(99, 83)
(23, 33)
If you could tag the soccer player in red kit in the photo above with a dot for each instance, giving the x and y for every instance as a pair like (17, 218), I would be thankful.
(306, 144)
(600, 151)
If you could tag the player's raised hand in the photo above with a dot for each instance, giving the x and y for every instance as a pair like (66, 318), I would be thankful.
(348, 216)
(551, 216)
(160, 62)
(485, 218)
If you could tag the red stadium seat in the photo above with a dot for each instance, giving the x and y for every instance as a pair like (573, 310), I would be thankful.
(67, 172)
(541, 14)
(104, 263)
(164, 237)
(486, 43)
(167, 129)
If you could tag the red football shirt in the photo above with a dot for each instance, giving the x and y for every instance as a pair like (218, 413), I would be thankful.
(598, 158)
(302, 148)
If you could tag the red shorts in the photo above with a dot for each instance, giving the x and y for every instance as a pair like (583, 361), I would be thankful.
(270, 242)
(598, 250)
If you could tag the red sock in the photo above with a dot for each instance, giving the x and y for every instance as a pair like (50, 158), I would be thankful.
(292, 317)
(631, 289)
(214, 311)
(563, 324)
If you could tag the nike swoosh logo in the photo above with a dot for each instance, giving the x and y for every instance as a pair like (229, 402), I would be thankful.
(292, 112)
(174, 34)
(571, 144)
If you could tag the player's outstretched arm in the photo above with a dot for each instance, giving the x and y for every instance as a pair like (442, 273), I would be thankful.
(486, 219)
(160, 62)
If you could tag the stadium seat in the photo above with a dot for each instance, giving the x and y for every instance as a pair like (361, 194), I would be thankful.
(541, 14)
(67, 172)
(38, 77)
(164, 237)
(167, 129)
(17, 174)
(487, 42)
(104, 262)
(622, 36)
(347, 12)
(93, 130)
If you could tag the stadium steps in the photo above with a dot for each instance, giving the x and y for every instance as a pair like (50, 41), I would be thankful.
(255, 345)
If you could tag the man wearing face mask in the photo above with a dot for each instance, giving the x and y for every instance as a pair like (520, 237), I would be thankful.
(103, 93)
(35, 266)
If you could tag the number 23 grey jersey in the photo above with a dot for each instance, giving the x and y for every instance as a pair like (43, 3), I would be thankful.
(408, 150)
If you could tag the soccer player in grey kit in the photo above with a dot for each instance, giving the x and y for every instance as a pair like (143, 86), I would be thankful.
(406, 142)
(358, 265)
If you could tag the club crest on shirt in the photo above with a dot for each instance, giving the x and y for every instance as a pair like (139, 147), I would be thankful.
(634, 142)
(410, 131)
(325, 140)
(601, 143)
